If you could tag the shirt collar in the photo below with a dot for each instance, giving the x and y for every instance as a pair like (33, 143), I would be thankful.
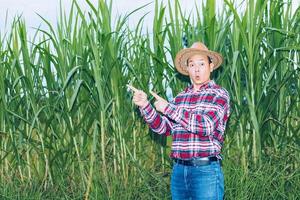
(208, 84)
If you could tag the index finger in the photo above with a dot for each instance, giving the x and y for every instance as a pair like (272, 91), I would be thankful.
(155, 95)
(132, 88)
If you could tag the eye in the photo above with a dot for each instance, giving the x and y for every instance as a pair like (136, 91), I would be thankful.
(191, 64)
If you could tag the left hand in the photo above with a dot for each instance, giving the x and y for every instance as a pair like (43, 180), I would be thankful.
(139, 97)
(160, 103)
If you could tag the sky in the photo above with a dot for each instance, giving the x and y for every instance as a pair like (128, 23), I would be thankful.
(49, 9)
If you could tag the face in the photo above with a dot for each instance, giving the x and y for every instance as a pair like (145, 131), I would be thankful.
(199, 69)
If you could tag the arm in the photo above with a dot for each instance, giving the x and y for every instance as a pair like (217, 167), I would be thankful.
(204, 123)
(157, 123)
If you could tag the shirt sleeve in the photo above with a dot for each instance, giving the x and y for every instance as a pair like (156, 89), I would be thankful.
(158, 123)
(204, 123)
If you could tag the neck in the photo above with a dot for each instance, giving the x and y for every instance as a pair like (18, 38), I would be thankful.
(198, 86)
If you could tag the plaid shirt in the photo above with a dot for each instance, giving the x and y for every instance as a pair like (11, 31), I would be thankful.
(195, 119)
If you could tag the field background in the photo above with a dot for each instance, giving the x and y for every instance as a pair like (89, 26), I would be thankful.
(68, 128)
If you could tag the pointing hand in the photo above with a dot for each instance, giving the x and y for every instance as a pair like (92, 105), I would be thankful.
(139, 97)
(160, 103)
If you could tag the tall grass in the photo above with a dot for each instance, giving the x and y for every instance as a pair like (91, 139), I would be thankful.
(68, 127)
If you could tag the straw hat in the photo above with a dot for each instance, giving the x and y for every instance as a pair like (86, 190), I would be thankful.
(197, 48)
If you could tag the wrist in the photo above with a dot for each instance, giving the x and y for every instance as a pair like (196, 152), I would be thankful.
(144, 105)
(169, 109)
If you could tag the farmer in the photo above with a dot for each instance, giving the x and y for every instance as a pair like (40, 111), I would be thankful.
(196, 119)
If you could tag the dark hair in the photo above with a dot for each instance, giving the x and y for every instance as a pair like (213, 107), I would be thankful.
(209, 59)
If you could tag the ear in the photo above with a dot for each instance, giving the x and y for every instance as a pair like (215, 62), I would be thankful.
(211, 66)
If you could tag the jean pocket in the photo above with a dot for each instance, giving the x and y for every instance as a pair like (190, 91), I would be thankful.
(204, 182)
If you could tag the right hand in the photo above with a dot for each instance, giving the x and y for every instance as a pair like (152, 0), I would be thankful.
(160, 103)
(139, 97)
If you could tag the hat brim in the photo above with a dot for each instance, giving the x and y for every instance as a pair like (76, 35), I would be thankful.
(184, 54)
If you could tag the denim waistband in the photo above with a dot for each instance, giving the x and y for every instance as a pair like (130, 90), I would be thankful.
(197, 162)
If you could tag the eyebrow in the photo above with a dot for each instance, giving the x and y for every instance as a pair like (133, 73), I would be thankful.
(189, 60)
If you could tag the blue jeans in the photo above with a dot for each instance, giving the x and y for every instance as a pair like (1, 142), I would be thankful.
(197, 182)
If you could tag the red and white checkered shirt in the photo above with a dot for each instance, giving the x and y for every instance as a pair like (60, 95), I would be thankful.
(195, 119)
